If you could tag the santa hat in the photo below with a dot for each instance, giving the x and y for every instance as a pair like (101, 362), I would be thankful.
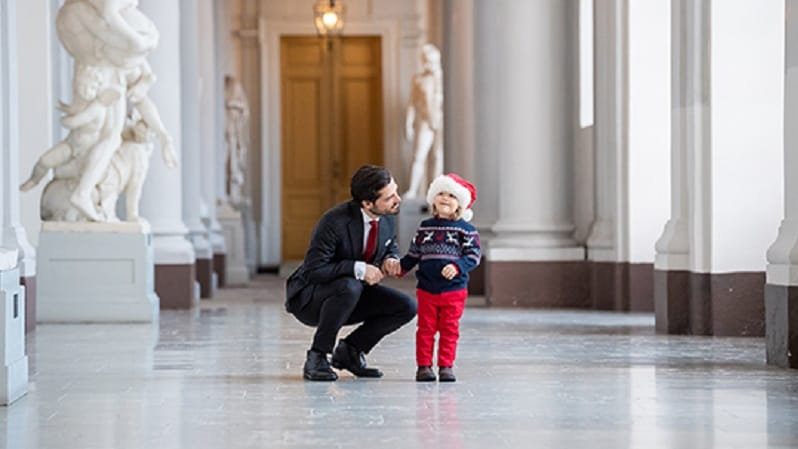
(464, 191)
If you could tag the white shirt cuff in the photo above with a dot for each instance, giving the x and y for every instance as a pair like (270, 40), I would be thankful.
(360, 270)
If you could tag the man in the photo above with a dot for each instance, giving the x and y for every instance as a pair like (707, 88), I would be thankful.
(352, 248)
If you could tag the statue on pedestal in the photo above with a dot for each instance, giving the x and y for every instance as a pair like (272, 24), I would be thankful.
(236, 140)
(424, 119)
(100, 158)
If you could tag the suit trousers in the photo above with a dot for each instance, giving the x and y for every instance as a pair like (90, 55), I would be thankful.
(439, 313)
(345, 301)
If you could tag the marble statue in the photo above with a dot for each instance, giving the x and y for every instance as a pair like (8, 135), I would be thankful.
(237, 117)
(424, 119)
(106, 32)
(126, 173)
(101, 156)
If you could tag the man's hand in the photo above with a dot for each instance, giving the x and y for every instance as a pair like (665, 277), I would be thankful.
(391, 267)
(449, 271)
(373, 275)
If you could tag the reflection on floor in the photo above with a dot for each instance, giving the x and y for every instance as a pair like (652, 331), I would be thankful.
(228, 376)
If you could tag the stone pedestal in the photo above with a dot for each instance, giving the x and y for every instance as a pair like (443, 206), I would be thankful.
(236, 271)
(250, 239)
(14, 371)
(96, 272)
(412, 212)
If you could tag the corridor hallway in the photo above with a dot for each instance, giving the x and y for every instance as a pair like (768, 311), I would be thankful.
(228, 375)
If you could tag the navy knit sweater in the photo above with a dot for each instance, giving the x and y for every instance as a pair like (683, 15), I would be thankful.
(439, 242)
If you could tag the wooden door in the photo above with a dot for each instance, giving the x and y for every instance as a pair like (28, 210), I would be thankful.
(331, 124)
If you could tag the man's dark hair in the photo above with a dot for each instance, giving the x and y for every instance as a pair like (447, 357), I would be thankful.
(367, 182)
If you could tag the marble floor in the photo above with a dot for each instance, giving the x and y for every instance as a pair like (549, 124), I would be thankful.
(227, 375)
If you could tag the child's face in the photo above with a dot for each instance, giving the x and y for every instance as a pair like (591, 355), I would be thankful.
(446, 205)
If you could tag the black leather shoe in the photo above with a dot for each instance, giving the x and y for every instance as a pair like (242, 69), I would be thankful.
(353, 360)
(446, 374)
(318, 368)
(425, 374)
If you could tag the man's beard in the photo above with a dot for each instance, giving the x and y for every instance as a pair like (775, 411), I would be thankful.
(376, 211)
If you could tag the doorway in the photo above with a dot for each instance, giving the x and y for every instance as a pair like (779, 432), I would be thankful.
(332, 118)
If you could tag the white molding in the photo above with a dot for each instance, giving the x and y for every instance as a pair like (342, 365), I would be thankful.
(784, 275)
(535, 254)
(673, 247)
(672, 262)
(8, 259)
(270, 31)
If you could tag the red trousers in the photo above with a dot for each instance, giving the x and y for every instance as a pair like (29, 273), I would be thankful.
(439, 313)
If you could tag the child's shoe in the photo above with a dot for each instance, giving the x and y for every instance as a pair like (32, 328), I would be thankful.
(446, 374)
(425, 374)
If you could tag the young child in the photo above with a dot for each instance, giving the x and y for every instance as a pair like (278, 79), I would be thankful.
(446, 248)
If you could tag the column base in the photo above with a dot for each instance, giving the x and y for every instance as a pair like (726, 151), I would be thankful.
(14, 369)
(641, 287)
(537, 284)
(622, 287)
(723, 305)
(96, 272)
(204, 269)
(781, 328)
(14, 380)
(476, 279)
(220, 269)
(672, 301)
(30, 302)
(174, 284)
(609, 286)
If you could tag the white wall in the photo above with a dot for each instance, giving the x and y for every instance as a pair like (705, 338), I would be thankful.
(649, 126)
(747, 131)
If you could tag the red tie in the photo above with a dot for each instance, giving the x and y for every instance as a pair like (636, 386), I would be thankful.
(371, 243)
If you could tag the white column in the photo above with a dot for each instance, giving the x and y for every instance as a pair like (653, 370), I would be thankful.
(210, 125)
(607, 240)
(13, 234)
(487, 43)
(34, 32)
(62, 69)
(161, 202)
(458, 71)
(191, 128)
(782, 256)
(690, 125)
(534, 136)
(223, 46)
(13, 361)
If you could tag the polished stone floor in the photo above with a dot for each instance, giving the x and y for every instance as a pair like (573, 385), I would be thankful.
(228, 376)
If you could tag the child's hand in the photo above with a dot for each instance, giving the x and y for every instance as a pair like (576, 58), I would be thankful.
(449, 271)
(391, 267)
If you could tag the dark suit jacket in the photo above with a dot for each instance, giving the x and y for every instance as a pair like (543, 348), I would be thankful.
(335, 246)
